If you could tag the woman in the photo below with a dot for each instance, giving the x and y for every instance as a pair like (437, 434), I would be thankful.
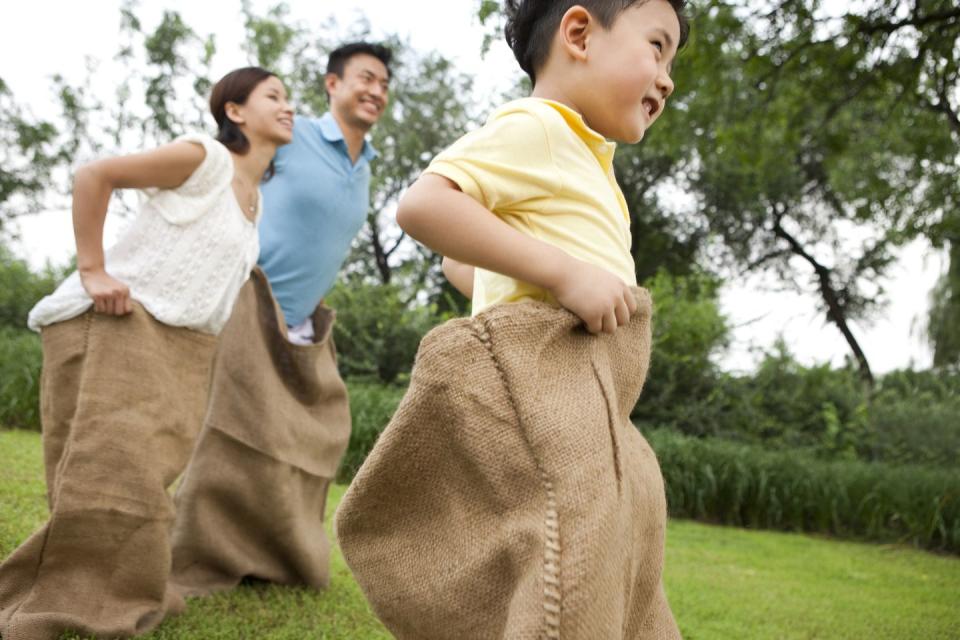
(128, 343)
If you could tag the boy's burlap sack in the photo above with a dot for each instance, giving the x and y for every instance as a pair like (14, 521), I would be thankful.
(252, 501)
(510, 496)
(122, 399)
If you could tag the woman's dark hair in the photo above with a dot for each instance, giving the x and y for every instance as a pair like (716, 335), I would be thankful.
(531, 25)
(234, 87)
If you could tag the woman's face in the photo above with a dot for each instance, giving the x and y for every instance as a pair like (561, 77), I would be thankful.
(266, 115)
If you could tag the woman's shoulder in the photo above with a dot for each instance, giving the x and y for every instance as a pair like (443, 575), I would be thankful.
(205, 186)
(215, 169)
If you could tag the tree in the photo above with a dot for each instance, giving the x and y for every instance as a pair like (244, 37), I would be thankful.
(870, 129)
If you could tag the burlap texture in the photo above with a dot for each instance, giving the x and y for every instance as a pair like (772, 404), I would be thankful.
(252, 501)
(510, 496)
(121, 401)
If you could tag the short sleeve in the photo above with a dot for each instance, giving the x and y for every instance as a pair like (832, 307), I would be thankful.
(199, 192)
(503, 164)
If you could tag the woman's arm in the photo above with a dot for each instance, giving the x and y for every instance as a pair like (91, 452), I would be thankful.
(167, 167)
(460, 276)
(438, 214)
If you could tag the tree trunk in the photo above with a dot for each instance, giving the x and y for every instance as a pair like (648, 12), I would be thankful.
(835, 311)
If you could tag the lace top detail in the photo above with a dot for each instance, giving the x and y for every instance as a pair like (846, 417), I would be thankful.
(184, 257)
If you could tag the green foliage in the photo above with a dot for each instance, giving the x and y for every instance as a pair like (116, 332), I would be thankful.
(748, 486)
(371, 407)
(793, 405)
(20, 352)
(20, 288)
(377, 332)
(28, 154)
(915, 417)
(943, 321)
(20, 362)
(688, 332)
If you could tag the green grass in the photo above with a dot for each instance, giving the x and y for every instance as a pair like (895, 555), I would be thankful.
(723, 583)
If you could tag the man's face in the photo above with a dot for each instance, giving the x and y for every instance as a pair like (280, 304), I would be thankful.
(360, 96)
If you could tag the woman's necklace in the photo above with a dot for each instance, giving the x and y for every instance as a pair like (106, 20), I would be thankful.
(251, 194)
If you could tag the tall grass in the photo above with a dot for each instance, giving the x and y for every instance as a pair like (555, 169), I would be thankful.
(750, 486)
(20, 358)
(371, 406)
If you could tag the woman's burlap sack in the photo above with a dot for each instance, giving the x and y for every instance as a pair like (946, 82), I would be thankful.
(122, 399)
(252, 501)
(510, 496)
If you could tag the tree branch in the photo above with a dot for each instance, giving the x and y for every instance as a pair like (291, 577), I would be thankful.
(914, 21)
(835, 310)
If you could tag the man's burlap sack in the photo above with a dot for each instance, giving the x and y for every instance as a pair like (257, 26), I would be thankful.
(122, 399)
(252, 501)
(510, 496)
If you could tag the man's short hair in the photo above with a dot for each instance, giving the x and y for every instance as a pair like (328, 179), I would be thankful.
(531, 25)
(339, 56)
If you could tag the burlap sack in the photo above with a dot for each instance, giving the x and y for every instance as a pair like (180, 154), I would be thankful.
(121, 400)
(252, 500)
(510, 496)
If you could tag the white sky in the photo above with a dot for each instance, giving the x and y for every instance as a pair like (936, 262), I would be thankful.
(42, 37)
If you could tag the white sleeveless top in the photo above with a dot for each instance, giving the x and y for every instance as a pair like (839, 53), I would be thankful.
(184, 257)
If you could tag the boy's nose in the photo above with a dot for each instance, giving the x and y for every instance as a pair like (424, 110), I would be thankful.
(665, 85)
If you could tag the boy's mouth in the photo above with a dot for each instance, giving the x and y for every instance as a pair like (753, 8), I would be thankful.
(651, 106)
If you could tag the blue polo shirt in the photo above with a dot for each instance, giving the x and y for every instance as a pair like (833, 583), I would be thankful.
(313, 208)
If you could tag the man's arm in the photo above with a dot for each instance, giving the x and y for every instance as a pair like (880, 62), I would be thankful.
(435, 212)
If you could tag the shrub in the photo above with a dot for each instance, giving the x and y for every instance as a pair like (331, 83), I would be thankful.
(20, 359)
(371, 407)
(377, 332)
(915, 418)
(21, 288)
(749, 486)
(688, 331)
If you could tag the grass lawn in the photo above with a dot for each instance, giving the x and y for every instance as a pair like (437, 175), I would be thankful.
(722, 583)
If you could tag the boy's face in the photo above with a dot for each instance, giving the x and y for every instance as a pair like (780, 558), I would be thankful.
(629, 67)
(360, 96)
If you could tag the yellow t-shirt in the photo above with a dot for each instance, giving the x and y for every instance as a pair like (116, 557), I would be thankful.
(537, 166)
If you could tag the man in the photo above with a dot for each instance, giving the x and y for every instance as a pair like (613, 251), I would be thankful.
(318, 200)
(251, 504)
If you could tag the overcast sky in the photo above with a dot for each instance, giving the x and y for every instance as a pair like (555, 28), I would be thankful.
(42, 37)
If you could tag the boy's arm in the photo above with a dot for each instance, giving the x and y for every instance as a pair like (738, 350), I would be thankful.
(435, 212)
(460, 276)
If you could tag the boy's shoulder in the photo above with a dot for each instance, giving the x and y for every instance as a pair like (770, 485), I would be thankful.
(533, 110)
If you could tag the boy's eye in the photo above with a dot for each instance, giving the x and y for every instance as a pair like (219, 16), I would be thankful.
(658, 45)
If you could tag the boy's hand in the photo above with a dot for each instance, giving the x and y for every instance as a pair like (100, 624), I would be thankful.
(110, 296)
(598, 297)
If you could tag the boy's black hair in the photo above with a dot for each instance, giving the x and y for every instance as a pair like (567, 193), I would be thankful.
(339, 56)
(531, 25)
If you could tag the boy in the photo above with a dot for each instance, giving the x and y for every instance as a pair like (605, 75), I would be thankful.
(543, 513)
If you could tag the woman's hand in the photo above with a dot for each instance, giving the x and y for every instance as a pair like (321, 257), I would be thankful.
(598, 297)
(110, 296)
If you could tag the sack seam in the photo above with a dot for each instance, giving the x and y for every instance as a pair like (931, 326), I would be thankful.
(552, 591)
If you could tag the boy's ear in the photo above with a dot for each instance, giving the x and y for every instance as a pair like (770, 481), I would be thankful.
(575, 26)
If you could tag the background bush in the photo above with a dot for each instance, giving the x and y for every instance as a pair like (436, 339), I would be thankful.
(749, 486)
(20, 359)
(20, 352)
(377, 331)
(688, 333)
(371, 407)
